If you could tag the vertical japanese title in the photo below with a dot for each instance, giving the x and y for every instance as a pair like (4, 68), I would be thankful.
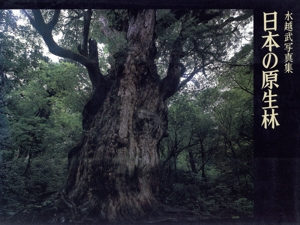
(270, 62)
(288, 42)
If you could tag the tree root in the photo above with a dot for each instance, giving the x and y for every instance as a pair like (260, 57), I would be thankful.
(59, 209)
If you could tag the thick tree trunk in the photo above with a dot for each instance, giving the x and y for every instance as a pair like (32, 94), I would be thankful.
(113, 173)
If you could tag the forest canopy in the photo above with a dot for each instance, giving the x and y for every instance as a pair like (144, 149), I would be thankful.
(143, 110)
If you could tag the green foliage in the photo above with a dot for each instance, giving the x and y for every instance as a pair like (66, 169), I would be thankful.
(4, 133)
(45, 123)
(45, 175)
(212, 131)
(212, 199)
(49, 100)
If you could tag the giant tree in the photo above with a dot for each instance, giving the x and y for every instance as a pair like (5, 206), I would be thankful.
(113, 171)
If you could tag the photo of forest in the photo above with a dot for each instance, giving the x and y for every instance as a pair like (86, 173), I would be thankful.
(126, 115)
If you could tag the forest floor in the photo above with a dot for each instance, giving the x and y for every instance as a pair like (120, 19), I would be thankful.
(176, 219)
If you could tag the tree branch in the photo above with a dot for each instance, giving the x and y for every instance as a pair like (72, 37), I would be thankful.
(28, 16)
(170, 84)
(54, 20)
(183, 83)
(202, 17)
(45, 30)
(175, 70)
(72, 18)
(87, 15)
(248, 13)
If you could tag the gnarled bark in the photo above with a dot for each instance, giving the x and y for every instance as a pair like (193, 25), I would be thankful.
(113, 173)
